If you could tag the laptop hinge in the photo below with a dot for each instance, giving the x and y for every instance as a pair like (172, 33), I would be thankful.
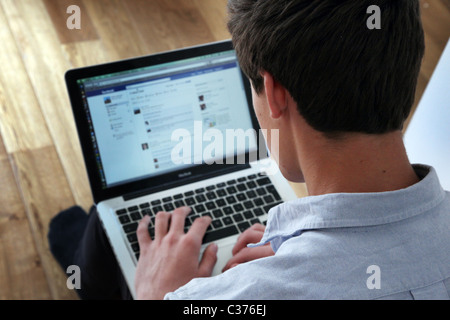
(182, 182)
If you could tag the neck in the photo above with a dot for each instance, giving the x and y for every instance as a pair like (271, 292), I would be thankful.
(357, 164)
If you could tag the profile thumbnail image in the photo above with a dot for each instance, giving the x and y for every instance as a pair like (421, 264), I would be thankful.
(107, 100)
(209, 122)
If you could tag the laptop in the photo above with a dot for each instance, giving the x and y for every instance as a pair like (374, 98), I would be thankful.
(169, 130)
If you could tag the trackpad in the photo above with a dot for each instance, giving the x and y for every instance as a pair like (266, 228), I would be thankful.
(224, 254)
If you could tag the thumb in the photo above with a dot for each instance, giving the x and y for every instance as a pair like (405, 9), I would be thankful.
(208, 261)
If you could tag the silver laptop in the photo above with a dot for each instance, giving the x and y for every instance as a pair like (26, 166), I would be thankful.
(169, 130)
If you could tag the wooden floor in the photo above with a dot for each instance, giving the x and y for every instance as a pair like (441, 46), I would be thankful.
(41, 167)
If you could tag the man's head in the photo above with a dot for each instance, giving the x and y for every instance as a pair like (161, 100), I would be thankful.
(343, 77)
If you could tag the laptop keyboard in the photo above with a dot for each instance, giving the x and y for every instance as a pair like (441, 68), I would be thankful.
(233, 205)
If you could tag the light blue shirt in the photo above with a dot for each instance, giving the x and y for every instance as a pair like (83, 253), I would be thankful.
(388, 245)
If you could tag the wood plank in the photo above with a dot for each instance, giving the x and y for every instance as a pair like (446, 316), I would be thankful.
(57, 9)
(21, 122)
(436, 21)
(115, 28)
(21, 271)
(45, 192)
(79, 54)
(167, 25)
(27, 19)
(215, 14)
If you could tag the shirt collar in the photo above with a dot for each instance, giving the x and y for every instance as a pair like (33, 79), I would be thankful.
(352, 209)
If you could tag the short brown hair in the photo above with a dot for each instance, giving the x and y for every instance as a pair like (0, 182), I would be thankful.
(343, 76)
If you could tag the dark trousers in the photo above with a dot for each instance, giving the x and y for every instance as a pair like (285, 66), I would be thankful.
(101, 276)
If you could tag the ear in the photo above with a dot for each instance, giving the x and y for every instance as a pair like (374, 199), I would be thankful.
(276, 95)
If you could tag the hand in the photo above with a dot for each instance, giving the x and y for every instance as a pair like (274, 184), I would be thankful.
(172, 259)
(241, 253)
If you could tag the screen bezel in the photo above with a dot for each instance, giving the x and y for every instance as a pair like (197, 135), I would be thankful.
(167, 180)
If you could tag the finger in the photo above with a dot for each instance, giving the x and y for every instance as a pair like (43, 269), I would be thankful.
(208, 261)
(178, 219)
(258, 227)
(162, 221)
(251, 235)
(198, 228)
(249, 254)
(142, 232)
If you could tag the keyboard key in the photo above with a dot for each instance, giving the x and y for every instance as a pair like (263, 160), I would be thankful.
(241, 197)
(146, 212)
(241, 187)
(261, 191)
(144, 205)
(258, 202)
(178, 196)
(258, 212)
(133, 208)
(216, 223)
(132, 227)
(157, 209)
(169, 207)
(231, 190)
(263, 181)
(200, 198)
(231, 182)
(124, 219)
(210, 205)
(151, 232)
(190, 201)
(221, 193)
(238, 207)
(200, 190)
(211, 195)
(252, 176)
(238, 217)
(227, 221)
(268, 199)
(243, 226)
(220, 233)
(135, 216)
(132, 237)
(200, 208)
(155, 202)
(251, 184)
(135, 247)
(217, 213)
(221, 203)
(227, 210)
(210, 188)
(248, 215)
(221, 185)
(248, 204)
(167, 199)
(179, 203)
(251, 194)
(242, 179)
(271, 189)
(121, 212)
(189, 194)
(231, 200)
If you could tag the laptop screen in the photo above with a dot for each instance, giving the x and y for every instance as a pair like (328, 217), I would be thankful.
(162, 118)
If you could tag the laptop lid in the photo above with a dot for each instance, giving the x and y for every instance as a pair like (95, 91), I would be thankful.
(151, 123)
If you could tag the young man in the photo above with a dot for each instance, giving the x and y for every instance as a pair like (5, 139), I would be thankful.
(374, 226)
